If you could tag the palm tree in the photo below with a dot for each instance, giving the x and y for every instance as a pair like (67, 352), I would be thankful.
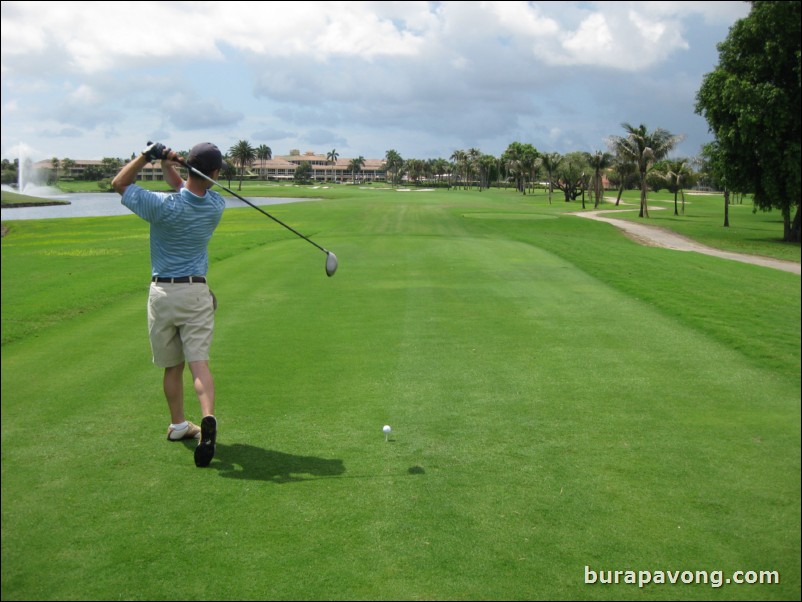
(416, 169)
(331, 157)
(531, 164)
(678, 171)
(624, 169)
(599, 161)
(520, 161)
(242, 153)
(487, 169)
(712, 165)
(265, 153)
(355, 166)
(473, 159)
(460, 159)
(440, 167)
(393, 164)
(644, 148)
(550, 162)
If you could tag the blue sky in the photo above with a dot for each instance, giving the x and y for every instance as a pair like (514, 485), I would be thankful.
(92, 80)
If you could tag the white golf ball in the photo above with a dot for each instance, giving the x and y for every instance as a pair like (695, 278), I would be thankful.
(386, 430)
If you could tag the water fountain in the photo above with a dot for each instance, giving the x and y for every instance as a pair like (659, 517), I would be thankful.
(28, 179)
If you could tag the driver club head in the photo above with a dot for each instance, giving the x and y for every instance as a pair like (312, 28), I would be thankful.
(331, 264)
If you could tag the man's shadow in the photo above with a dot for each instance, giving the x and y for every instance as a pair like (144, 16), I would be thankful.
(241, 461)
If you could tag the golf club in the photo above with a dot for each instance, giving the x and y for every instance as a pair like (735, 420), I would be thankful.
(331, 258)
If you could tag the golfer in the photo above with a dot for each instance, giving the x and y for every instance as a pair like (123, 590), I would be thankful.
(180, 305)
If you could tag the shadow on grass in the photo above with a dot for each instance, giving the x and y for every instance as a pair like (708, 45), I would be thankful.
(241, 461)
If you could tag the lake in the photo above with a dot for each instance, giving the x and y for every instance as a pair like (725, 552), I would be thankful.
(99, 204)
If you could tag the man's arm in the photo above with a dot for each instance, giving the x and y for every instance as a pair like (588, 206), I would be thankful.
(128, 173)
(154, 151)
(171, 175)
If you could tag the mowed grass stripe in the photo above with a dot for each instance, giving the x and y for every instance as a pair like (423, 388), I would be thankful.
(438, 383)
(540, 424)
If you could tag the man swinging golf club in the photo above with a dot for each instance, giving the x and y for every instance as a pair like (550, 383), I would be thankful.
(180, 304)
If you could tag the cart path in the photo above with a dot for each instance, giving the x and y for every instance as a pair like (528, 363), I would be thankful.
(655, 236)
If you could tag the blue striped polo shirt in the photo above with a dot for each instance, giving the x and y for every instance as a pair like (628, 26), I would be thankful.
(181, 225)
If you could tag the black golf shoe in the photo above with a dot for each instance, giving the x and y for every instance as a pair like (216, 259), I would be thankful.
(205, 450)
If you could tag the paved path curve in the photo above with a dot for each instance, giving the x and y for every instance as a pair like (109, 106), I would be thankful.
(660, 237)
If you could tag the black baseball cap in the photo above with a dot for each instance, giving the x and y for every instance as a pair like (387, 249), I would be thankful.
(205, 157)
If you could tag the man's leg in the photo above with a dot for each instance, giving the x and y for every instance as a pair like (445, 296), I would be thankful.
(174, 392)
(204, 386)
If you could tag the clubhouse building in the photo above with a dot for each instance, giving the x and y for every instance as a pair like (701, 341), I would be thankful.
(276, 168)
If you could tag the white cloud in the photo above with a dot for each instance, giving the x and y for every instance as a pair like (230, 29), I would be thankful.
(115, 35)
(431, 74)
(591, 40)
(105, 36)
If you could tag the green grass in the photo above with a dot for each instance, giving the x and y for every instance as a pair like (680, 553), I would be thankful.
(249, 188)
(15, 199)
(560, 397)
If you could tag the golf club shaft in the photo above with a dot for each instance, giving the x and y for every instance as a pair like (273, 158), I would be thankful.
(275, 219)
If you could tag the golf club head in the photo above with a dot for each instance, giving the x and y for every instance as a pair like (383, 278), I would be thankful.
(331, 264)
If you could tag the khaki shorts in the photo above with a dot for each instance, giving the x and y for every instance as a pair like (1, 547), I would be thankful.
(180, 323)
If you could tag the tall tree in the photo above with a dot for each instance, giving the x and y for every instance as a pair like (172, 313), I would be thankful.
(473, 164)
(393, 163)
(550, 162)
(644, 148)
(599, 162)
(355, 166)
(520, 160)
(625, 170)
(242, 153)
(751, 102)
(264, 153)
(713, 169)
(571, 176)
(460, 159)
(331, 158)
(488, 168)
(440, 167)
(678, 175)
(416, 169)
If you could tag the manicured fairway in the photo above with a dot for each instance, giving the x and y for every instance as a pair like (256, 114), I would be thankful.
(560, 398)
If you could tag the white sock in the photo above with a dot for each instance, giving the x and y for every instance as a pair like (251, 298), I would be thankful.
(179, 427)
